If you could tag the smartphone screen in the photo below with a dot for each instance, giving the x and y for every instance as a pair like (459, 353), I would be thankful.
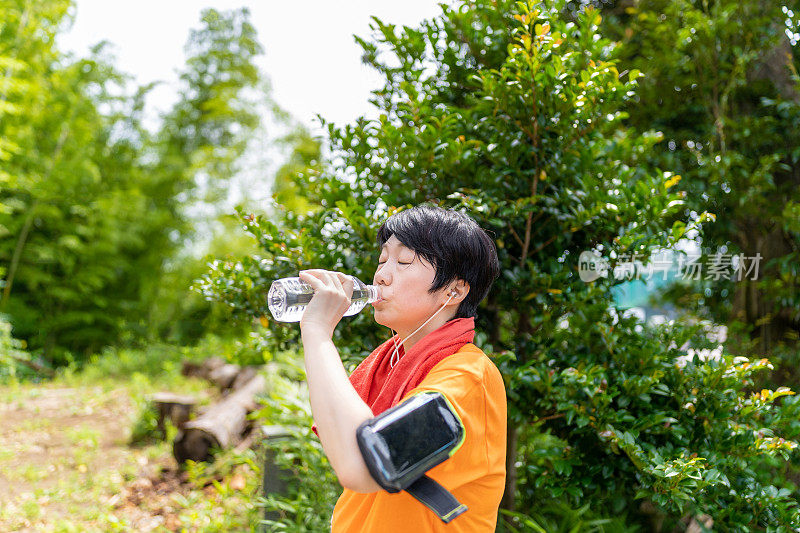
(423, 432)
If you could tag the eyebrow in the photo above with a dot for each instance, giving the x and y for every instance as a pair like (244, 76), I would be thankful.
(401, 245)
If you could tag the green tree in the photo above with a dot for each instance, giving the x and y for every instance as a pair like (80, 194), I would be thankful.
(94, 206)
(515, 112)
(196, 153)
(55, 202)
(721, 84)
(289, 189)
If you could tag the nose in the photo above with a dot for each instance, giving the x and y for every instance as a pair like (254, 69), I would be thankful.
(382, 276)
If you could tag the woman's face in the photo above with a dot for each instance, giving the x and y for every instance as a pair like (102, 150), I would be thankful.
(404, 280)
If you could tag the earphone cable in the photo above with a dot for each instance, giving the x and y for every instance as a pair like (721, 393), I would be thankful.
(392, 362)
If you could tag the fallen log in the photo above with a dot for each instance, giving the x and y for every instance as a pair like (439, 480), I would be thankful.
(245, 374)
(224, 375)
(220, 426)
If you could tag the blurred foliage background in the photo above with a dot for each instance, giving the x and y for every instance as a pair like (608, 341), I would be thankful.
(622, 127)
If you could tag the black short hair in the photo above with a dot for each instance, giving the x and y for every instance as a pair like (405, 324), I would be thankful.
(451, 241)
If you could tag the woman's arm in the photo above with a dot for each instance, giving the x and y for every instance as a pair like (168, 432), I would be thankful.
(337, 408)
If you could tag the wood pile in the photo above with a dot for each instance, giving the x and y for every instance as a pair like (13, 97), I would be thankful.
(221, 425)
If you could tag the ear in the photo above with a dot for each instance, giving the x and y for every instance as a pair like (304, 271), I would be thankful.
(459, 291)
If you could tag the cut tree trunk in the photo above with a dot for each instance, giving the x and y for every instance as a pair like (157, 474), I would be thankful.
(221, 426)
(173, 407)
(201, 370)
(224, 376)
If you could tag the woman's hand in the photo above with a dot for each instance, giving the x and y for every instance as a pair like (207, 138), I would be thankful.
(332, 294)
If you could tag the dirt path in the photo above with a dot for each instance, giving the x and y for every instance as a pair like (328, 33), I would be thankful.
(65, 464)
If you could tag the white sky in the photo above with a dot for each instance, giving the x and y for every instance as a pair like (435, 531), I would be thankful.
(310, 56)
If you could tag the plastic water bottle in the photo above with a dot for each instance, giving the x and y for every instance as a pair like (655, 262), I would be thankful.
(288, 298)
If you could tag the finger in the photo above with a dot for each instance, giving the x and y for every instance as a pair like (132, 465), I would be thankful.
(311, 279)
(320, 274)
(324, 280)
(336, 284)
(334, 277)
(347, 283)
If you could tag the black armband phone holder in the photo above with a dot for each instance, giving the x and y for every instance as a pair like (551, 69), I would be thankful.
(407, 440)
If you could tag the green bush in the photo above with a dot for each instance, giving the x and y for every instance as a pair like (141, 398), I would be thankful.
(558, 517)
(145, 426)
(12, 354)
(629, 421)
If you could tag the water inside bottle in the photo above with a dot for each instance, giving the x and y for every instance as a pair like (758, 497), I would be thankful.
(289, 297)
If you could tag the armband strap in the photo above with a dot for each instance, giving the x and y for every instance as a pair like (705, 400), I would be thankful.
(407, 440)
(436, 498)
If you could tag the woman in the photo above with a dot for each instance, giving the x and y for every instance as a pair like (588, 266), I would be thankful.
(435, 267)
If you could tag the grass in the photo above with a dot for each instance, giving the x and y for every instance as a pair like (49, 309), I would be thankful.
(67, 464)
(34, 424)
(85, 436)
(6, 453)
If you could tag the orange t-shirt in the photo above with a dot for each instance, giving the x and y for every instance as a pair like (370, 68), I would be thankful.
(476, 472)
